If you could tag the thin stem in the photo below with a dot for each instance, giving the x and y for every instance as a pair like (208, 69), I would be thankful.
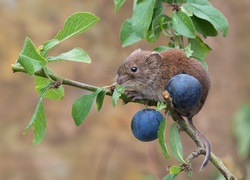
(177, 41)
(46, 73)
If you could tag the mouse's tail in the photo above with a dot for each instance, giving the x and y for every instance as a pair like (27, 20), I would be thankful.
(205, 142)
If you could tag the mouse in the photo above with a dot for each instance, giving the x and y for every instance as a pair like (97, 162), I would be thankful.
(145, 74)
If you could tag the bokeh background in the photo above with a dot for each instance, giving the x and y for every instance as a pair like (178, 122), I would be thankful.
(103, 147)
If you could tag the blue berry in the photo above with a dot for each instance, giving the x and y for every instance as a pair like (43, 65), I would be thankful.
(145, 124)
(185, 91)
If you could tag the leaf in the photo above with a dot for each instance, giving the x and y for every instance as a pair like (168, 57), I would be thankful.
(175, 170)
(241, 126)
(162, 138)
(162, 48)
(118, 4)
(160, 23)
(116, 94)
(56, 94)
(169, 177)
(74, 25)
(38, 121)
(82, 106)
(37, 118)
(180, 1)
(160, 106)
(188, 51)
(175, 143)
(154, 31)
(142, 16)
(200, 50)
(204, 27)
(183, 24)
(190, 174)
(200, 2)
(76, 54)
(152, 37)
(186, 10)
(157, 14)
(30, 59)
(99, 99)
(211, 14)
(127, 34)
(168, 1)
(39, 126)
(49, 45)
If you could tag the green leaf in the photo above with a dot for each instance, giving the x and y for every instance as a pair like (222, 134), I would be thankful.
(116, 94)
(142, 17)
(188, 51)
(241, 126)
(160, 106)
(81, 107)
(157, 13)
(175, 143)
(162, 48)
(175, 170)
(204, 27)
(162, 138)
(183, 24)
(39, 126)
(38, 121)
(56, 94)
(118, 4)
(211, 14)
(186, 10)
(99, 99)
(127, 34)
(190, 174)
(200, 50)
(181, 1)
(49, 45)
(152, 37)
(169, 177)
(76, 54)
(200, 2)
(76, 24)
(160, 23)
(30, 59)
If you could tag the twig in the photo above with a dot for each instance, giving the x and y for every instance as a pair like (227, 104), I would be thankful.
(69, 82)
(174, 114)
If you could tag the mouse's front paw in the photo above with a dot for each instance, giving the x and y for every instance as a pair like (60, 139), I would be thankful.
(134, 95)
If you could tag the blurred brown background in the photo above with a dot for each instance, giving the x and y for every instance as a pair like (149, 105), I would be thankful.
(103, 147)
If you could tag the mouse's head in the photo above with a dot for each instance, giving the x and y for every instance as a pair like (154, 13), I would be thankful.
(139, 70)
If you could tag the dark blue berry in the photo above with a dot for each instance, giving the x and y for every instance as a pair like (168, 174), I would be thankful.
(185, 91)
(145, 124)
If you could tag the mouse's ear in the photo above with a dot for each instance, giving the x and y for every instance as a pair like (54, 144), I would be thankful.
(135, 52)
(154, 59)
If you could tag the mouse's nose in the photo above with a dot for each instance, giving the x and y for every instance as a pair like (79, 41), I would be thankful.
(119, 80)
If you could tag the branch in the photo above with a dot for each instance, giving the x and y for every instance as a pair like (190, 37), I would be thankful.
(175, 115)
(201, 149)
(65, 81)
(69, 82)
(214, 159)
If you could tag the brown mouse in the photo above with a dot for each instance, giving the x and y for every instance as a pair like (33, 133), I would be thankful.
(145, 75)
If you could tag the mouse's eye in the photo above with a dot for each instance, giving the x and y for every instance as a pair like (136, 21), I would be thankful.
(134, 69)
